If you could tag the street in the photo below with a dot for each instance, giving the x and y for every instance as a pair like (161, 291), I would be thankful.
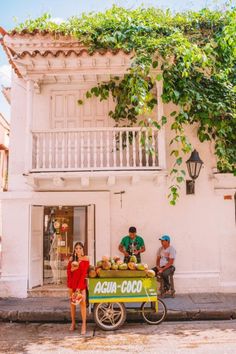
(169, 338)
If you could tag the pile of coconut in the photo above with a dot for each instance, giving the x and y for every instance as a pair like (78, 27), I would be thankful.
(115, 263)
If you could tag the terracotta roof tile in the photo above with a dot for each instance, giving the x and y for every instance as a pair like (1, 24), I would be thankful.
(36, 31)
(66, 53)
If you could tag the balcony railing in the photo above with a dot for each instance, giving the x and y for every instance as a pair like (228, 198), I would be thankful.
(94, 149)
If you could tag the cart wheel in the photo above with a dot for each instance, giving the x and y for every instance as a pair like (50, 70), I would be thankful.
(149, 313)
(109, 315)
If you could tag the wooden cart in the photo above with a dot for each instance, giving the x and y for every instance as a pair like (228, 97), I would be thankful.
(110, 294)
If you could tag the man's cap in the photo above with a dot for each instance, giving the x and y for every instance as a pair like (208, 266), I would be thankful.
(165, 238)
(132, 229)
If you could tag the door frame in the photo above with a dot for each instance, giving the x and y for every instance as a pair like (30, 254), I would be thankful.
(91, 211)
(30, 250)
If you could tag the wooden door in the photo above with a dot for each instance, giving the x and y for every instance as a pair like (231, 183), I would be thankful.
(67, 113)
(64, 110)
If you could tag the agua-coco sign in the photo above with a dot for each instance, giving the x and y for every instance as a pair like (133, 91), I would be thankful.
(111, 287)
(122, 289)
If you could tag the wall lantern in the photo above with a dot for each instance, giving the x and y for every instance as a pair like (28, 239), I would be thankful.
(194, 165)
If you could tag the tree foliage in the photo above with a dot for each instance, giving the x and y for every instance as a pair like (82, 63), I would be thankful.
(196, 52)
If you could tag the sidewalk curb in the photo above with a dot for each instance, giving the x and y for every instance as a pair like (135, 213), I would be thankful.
(64, 316)
(201, 315)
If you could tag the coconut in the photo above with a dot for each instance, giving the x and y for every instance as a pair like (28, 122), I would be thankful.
(75, 263)
(116, 258)
(105, 258)
(133, 259)
(92, 273)
(140, 266)
(123, 266)
(131, 265)
(150, 273)
(98, 271)
(119, 262)
(106, 265)
(114, 266)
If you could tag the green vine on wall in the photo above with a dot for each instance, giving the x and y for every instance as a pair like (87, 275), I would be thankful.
(196, 55)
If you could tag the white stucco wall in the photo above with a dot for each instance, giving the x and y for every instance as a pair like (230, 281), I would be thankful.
(15, 240)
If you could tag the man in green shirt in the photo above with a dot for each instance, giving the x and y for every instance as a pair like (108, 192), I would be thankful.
(132, 244)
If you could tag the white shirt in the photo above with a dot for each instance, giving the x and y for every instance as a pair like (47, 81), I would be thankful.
(166, 254)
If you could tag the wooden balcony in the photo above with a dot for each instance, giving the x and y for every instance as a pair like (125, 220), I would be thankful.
(95, 149)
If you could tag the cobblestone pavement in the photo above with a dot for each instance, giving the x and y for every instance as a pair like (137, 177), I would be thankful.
(208, 337)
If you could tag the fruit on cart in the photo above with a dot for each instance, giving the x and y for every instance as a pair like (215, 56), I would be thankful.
(92, 273)
(115, 263)
(114, 266)
(116, 258)
(123, 266)
(140, 266)
(133, 259)
(150, 273)
(131, 265)
(106, 265)
(98, 271)
(105, 258)
(119, 262)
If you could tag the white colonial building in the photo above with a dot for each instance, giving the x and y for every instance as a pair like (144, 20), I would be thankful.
(74, 175)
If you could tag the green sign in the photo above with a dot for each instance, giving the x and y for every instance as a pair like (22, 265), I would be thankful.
(122, 289)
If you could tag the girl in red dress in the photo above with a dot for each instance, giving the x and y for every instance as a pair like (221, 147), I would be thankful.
(77, 270)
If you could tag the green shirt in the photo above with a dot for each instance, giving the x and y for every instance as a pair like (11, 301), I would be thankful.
(131, 245)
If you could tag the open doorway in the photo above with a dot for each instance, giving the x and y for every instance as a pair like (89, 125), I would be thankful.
(63, 227)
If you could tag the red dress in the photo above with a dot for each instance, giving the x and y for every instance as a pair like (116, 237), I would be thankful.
(76, 279)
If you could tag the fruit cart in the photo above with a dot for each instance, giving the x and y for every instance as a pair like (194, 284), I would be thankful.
(113, 289)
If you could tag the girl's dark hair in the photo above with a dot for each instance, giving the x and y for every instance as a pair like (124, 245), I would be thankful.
(75, 257)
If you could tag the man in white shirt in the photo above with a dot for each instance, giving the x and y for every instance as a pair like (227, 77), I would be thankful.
(165, 261)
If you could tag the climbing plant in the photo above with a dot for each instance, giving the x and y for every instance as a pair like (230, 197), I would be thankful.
(193, 53)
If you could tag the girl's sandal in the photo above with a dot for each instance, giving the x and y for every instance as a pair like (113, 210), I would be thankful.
(83, 331)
